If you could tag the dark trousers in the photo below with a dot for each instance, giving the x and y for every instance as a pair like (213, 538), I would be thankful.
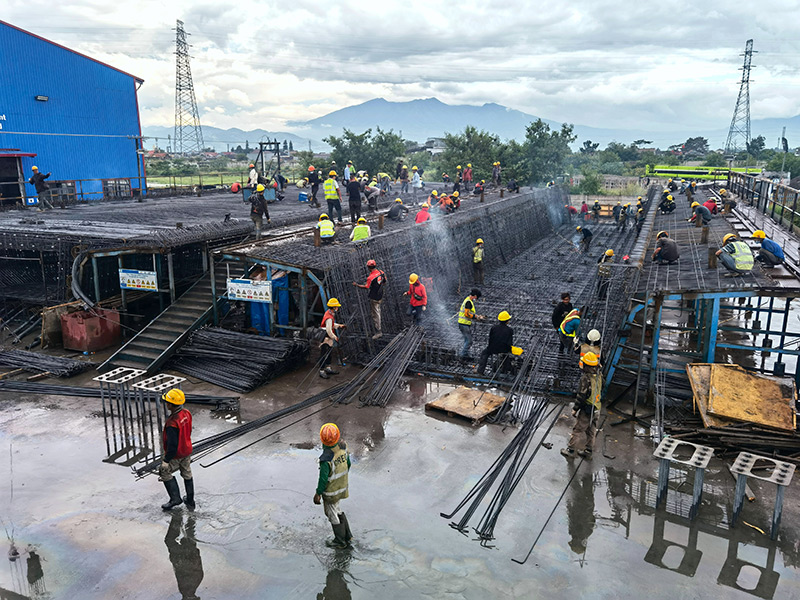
(326, 351)
(602, 288)
(416, 313)
(502, 362)
(314, 190)
(335, 205)
(768, 258)
(355, 211)
(478, 272)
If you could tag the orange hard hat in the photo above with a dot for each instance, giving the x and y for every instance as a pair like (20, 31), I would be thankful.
(329, 434)
(311, 168)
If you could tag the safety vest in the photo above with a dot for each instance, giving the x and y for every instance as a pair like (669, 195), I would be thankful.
(604, 268)
(326, 228)
(571, 316)
(742, 257)
(182, 420)
(330, 189)
(596, 390)
(477, 254)
(463, 317)
(337, 478)
(360, 232)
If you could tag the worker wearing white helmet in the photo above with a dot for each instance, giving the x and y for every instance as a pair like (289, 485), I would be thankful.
(592, 343)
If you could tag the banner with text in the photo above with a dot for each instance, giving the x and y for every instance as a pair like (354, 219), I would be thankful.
(249, 290)
(131, 279)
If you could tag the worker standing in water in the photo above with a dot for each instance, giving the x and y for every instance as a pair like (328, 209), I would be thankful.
(177, 441)
(587, 407)
(333, 484)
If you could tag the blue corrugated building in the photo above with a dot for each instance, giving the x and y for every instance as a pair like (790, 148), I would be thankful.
(68, 114)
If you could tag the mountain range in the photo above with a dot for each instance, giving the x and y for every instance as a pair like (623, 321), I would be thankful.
(421, 119)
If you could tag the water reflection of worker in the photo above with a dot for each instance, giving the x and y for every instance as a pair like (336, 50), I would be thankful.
(580, 512)
(335, 587)
(184, 556)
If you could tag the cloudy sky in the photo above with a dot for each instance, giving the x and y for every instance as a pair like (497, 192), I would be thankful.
(602, 63)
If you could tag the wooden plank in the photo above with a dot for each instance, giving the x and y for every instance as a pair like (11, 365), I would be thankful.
(751, 397)
(462, 402)
(700, 380)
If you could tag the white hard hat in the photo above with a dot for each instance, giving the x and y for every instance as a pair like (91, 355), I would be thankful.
(594, 336)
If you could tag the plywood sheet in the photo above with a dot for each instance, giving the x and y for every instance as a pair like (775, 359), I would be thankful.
(461, 402)
(738, 394)
(700, 380)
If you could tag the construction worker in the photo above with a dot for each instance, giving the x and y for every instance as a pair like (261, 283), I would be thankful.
(327, 230)
(604, 273)
(373, 192)
(664, 194)
(592, 343)
(496, 174)
(479, 188)
(690, 191)
(446, 205)
(501, 340)
(771, 254)
(672, 185)
(456, 200)
(571, 212)
(587, 406)
(333, 195)
(374, 286)
(584, 211)
(418, 298)
(314, 181)
(332, 485)
(683, 186)
(735, 255)
(416, 184)
(596, 210)
(258, 209)
(434, 197)
(423, 215)
(177, 441)
(586, 237)
(404, 178)
(252, 177)
(702, 211)
(37, 180)
(667, 205)
(466, 314)
(354, 198)
(457, 179)
(349, 170)
(623, 218)
(398, 211)
(640, 219)
(616, 211)
(711, 205)
(513, 186)
(385, 182)
(361, 231)
(561, 310)
(568, 330)
(330, 328)
(398, 170)
(467, 176)
(477, 262)
(666, 251)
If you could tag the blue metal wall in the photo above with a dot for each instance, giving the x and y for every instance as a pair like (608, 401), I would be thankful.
(85, 97)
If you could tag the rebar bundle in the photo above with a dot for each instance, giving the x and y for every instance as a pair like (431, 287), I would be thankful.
(238, 361)
(35, 362)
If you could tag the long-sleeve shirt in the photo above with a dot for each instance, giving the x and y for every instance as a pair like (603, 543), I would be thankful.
(324, 473)
(417, 289)
(38, 181)
(559, 312)
(773, 248)
(501, 338)
(416, 181)
(171, 448)
(253, 177)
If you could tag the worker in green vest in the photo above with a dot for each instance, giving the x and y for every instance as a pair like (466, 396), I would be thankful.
(333, 195)
(327, 230)
(587, 406)
(735, 255)
(466, 314)
(361, 231)
(332, 486)
(477, 261)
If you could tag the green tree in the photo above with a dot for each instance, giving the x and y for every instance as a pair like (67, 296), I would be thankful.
(792, 163)
(695, 146)
(756, 146)
(588, 147)
(479, 148)
(591, 184)
(623, 152)
(715, 159)
(369, 153)
(546, 151)
(303, 159)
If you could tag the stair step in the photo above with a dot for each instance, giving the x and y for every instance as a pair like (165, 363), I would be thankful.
(150, 343)
(136, 350)
(161, 334)
(132, 360)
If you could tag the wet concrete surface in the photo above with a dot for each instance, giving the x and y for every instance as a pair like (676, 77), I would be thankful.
(95, 532)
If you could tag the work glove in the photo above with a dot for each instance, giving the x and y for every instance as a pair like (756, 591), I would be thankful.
(317, 499)
(164, 465)
(424, 308)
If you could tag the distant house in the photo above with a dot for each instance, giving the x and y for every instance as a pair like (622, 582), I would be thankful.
(435, 146)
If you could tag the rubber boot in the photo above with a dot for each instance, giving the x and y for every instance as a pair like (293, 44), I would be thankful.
(188, 499)
(323, 374)
(348, 535)
(338, 540)
(330, 371)
(174, 494)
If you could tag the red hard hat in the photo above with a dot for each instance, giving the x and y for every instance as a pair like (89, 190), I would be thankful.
(371, 263)
(311, 168)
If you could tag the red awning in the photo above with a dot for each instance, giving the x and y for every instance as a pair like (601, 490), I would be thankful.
(16, 154)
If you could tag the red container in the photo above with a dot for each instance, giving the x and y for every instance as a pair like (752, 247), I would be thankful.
(90, 331)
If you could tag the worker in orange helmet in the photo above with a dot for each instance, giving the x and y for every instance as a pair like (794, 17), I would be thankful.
(314, 181)
(332, 486)
(252, 180)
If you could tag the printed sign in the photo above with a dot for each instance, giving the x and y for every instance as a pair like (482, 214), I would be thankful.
(249, 290)
(131, 279)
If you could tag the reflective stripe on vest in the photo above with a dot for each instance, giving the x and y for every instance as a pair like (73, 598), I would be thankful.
(337, 479)
(463, 319)
(360, 232)
(604, 269)
(573, 314)
(326, 228)
(595, 391)
(477, 254)
(330, 189)
(743, 258)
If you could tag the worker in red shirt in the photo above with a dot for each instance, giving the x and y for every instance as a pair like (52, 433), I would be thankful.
(423, 214)
(374, 286)
(177, 441)
(467, 176)
(711, 204)
(418, 298)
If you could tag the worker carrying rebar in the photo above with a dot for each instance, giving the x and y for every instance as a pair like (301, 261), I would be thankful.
(418, 298)
(771, 254)
(327, 230)
(561, 310)
(596, 210)
(466, 313)
(702, 211)
(333, 195)
(604, 273)
(477, 262)
(332, 485)
(735, 255)
(586, 237)
(501, 341)
(374, 286)
(398, 211)
(423, 215)
(361, 231)
(592, 344)
(568, 330)
(258, 209)
(666, 251)
(177, 446)
(587, 407)
(330, 330)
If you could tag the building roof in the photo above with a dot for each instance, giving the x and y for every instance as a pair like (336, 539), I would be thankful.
(139, 79)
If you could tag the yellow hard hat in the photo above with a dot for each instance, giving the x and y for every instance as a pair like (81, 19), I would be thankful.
(695, 204)
(425, 205)
(34, 168)
(434, 193)
(728, 237)
(323, 216)
(260, 187)
(722, 190)
(334, 303)
(398, 200)
(670, 180)
(516, 350)
(458, 167)
(627, 204)
(619, 202)
(578, 228)
(174, 396)
(362, 220)
(329, 434)
(666, 190)
(662, 234)
(332, 174)
(609, 252)
(590, 358)
(694, 183)
(469, 165)
(414, 169)
(503, 316)
(760, 235)
(639, 198)
(479, 241)
(413, 278)
(455, 194)
(641, 210)
(670, 197)
(405, 167)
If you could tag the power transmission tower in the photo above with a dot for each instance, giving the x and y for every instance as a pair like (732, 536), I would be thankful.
(188, 134)
(739, 133)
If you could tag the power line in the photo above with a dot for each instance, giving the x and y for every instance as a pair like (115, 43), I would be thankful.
(188, 133)
(739, 133)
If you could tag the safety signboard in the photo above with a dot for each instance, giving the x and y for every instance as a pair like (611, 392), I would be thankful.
(131, 279)
(250, 290)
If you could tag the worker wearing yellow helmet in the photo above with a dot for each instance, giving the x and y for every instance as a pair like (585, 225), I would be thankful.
(332, 485)
(327, 230)
(477, 262)
(587, 407)
(258, 209)
(177, 444)
(604, 273)
(361, 231)
(501, 342)
(667, 251)
(330, 329)
(700, 211)
(467, 177)
(735, 255)
(418, 299)
(398, 211)
(416, 184)
(771, 254)
(333, 195)
(37, 180)
(496, 171)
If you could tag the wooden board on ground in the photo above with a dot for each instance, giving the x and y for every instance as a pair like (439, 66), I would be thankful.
(700, 380)
(744, 396)
(461, 402)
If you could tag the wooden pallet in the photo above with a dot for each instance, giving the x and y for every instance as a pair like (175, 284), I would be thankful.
(461, 403)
